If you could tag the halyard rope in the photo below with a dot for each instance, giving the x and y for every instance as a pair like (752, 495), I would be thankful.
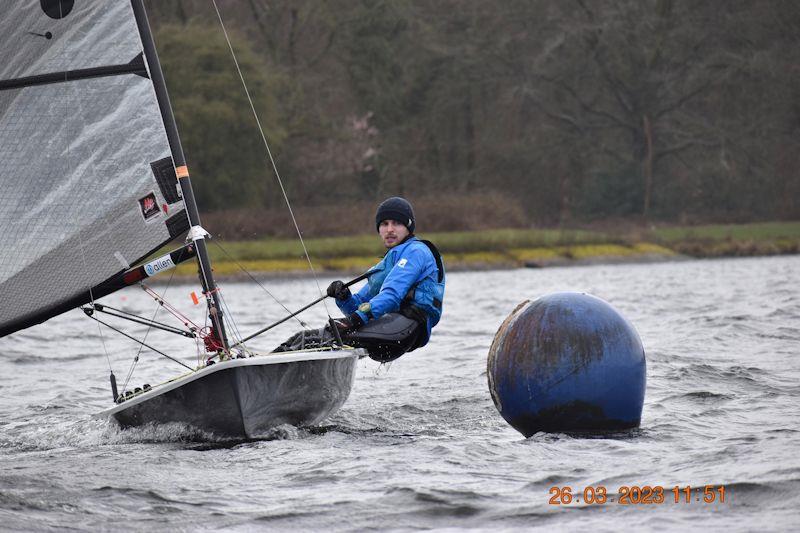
(269, 152)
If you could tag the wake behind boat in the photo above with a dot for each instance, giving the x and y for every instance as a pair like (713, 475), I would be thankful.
(93, 179)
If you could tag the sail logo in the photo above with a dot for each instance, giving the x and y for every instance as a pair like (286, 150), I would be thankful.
(159, 265)
(149, 206)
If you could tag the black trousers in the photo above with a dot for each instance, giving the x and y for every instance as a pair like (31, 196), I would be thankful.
(388, 337)
(385, 339)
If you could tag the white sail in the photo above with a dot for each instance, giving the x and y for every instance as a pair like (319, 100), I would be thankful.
(87, 184)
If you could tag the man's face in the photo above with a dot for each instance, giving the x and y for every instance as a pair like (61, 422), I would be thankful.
(392, 233)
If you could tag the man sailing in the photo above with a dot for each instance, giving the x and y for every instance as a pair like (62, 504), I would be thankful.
(396, 310)
(407, 283)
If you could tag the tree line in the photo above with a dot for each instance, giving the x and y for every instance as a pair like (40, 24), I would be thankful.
(571, 111)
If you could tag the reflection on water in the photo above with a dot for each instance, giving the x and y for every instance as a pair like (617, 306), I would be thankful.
(419, 443)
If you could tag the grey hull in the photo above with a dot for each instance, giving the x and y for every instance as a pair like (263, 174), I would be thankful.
(244, 398)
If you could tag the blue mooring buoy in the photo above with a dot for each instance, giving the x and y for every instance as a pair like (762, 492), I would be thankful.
(567, 362)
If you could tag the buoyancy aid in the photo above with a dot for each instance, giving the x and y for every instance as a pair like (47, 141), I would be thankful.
(426, 294)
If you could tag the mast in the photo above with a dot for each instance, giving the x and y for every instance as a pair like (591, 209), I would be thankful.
(196, 232)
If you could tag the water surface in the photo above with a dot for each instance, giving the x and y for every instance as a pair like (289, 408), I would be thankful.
(419, 444)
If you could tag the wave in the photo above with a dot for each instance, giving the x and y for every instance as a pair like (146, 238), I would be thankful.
(142, 494)
(767, 494)
(438, 503)
(32, 359)
(52, 431)
(702, 395)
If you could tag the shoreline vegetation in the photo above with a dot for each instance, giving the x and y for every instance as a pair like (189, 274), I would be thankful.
(505, 248)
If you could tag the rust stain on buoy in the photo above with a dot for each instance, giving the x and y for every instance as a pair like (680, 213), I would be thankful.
(567, 361)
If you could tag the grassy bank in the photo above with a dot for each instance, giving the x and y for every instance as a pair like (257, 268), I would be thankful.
(512, 248)
(731, 240)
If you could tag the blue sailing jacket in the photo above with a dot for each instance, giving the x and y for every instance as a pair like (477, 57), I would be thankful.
(408, 269)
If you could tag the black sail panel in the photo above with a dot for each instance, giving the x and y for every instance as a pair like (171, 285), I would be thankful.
(79, 196)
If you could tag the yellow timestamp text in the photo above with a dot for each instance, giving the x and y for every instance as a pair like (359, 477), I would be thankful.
(637, 495)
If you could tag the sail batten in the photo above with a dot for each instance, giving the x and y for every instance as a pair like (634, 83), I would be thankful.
(82, 177)
(134, 66)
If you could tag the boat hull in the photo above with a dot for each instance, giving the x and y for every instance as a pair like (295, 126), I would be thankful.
(245, 398)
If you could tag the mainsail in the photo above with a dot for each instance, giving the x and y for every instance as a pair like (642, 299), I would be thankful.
(87, 182)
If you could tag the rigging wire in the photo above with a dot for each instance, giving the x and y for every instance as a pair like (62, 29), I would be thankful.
(208, 296)
(254, 280)
(171, 309)
(146, 333)
(89, 312)
(201, 354)
(237, 335)
(269, 153)
(132, 317)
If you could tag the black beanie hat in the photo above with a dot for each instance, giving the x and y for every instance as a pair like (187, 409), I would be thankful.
(396, 208)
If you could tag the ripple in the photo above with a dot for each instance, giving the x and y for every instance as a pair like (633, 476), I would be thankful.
(419, 444)
(704, 395)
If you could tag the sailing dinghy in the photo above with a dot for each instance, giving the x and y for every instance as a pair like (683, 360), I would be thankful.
(93, 180)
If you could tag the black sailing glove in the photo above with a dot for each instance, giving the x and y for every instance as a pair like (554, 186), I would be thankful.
(339, 291)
